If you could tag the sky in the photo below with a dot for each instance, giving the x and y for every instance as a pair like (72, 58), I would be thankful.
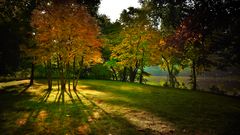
(113, 8)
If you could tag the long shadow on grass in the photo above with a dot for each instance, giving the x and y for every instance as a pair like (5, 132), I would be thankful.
(109, 123)
(10, 106)
(195, 111)
(14, 89)
(45, 96)
(9, 96)
(46, 117)
(25, 114)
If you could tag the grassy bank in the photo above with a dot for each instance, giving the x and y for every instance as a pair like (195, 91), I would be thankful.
(108, 107)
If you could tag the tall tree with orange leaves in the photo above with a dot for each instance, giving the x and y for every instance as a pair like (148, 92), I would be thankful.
(66, 35)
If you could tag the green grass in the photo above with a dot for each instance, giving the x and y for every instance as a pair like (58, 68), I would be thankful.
(108, 107)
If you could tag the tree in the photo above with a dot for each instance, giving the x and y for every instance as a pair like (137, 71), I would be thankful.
(14, 29)
(166, 13)
(166, 16)
(111, 36)
(168, 58)
(132, 53)
(202, 30)
(66, 32)
(197, 33)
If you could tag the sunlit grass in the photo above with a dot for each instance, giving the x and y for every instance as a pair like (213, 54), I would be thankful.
(42, 111)
(108, 107)
(189, 111)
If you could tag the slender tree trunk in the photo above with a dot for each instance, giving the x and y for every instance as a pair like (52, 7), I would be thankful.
(141, 73)
(172, 76)
(62, 78)
(194, 76)
(63, 85)
(142, 69)
(58, 67)
(68, 76)
(78, 75)
(141, 76)
(114, 73)
(124, 75)
(46, 69)
(49, 74)
(32, 74)
(76, 80)
(63, 82)
(170, 73)
(74, 72)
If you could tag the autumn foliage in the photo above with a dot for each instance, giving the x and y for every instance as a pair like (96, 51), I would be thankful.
(66, 34)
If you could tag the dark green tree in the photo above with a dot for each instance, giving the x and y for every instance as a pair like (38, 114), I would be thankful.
(15, 30)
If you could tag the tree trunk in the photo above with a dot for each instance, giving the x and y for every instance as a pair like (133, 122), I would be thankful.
(114, 74)
(63, 85)
(141, 73)
(62, 78)
(142, 69)
(58, 67)
(171, 80)
(68, 76)
(49, 74)
(141, 76)
(78, 74)
(124, 75)
(171, 76)
(133, 73)
(194, 76)
(74, 72)
(32, 74)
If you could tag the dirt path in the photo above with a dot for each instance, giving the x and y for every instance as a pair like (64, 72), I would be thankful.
(144, 121)
(147, 121)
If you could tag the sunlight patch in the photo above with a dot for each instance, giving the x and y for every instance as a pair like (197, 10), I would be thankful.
(83, 130)
(83, 87)
(42, 115)
(144, 120)
(23, 120)
(93, 92)
(127, 88)
(13, 83)
(95, 116)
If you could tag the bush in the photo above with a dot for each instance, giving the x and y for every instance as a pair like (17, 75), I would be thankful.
(99, 71)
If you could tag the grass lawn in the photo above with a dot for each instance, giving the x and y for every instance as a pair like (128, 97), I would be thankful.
(113, 108)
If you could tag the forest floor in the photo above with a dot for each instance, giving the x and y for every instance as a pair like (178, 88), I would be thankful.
(114, 108)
